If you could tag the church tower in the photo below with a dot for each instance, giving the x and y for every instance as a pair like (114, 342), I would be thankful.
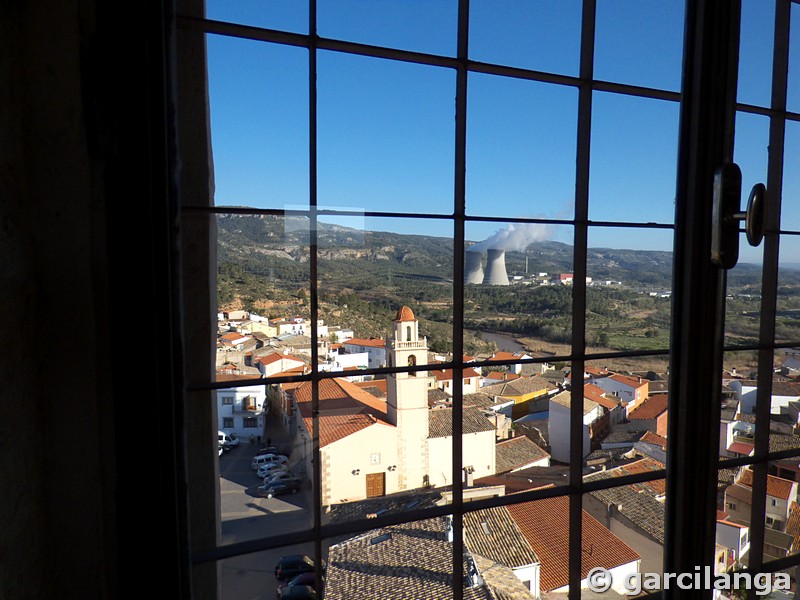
(407, 398)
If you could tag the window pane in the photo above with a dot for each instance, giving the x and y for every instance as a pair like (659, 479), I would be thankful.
(252, 575)
(633, 159)
(737, 418)
(544, 36)
(518, 283)
(258, 96)
(520, 148)
(787, 320)
(386, 134)
(628, 296)
(640, 42)
(285, 15)
(751, 153)
(368, 275)
(755, 52)
(408, 25)
(790, 202)
(793, 98)
(633, 395)
(623, 525)
(743, 300)
(411, 560)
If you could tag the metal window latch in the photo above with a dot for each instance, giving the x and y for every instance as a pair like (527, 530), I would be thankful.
(727, 215)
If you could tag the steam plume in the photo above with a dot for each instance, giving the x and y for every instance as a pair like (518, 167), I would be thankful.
(515, 237)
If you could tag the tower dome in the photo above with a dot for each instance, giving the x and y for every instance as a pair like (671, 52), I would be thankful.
(404, 314)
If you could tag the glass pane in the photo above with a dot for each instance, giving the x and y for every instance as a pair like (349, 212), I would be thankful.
(743, 300)
(790, 202)
(544, 36)
(623, 525)
(284, 15)
(755, 52)
(520, 148)
(628, 296)
(787, 319)
(793, 98)
(633, 159)
(386, 135)
(640, 42)
(751, 153)
(518, 283)
(410, 560)
(368, 275)
(258, 95)
(633, 396)
(253, 575)
(737, 418)
(419, 26)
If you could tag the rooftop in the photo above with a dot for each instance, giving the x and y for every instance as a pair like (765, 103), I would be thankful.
(777, 487)
(565, 398)
(371, 342)
(493, 534)
(440, 422)
(518, 387)
(650, 408)
(404, 314)
(517, 452)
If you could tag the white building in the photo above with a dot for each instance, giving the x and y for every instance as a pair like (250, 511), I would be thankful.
(375, 348)
(241, 410)
(559, 429)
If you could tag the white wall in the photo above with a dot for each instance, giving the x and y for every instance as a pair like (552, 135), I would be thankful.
(734, 538)
(558, 428)
(236, 410)
(478, 452)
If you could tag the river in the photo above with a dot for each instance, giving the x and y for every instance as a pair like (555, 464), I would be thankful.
(505, 342)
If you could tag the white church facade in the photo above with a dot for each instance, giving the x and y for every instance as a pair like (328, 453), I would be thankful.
(372, 446)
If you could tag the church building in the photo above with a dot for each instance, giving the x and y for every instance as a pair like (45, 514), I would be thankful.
(372, 446)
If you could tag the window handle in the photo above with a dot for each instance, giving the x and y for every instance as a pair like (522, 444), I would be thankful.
(727, 215)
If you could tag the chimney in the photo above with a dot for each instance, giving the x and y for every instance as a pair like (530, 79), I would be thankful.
(473, 271)
(495, 267)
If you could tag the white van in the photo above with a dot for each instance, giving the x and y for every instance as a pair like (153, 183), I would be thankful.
(265, 459)
(227, 440)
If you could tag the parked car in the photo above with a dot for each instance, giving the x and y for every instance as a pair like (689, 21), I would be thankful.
(283, 477)
(298, 592)
(263, 459)
(278, 488)
(228, 440)
(292, 565)
(270, 469)
(269, 450)
(309, 579)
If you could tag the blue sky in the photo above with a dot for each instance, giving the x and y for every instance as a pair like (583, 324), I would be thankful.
(386, 130)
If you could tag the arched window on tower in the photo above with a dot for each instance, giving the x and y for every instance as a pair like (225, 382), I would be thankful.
(408, 333)
(412, 362)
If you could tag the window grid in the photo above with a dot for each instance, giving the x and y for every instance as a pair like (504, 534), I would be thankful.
(586, 84)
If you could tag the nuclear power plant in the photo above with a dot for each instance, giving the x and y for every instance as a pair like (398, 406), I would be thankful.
(495, 267)
(473, 270)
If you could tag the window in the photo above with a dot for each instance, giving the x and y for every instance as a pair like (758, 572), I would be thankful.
(610, 119)
(227, 422)
(250, 422)
(227, 400)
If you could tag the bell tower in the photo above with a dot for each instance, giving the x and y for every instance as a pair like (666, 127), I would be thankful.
(407, 397)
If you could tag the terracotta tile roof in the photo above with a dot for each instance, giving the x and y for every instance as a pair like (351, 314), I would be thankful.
(502, 355)
(404, 314)
(597, 394)
(739, 492)
(492, 533)
(234, 377)
(233, 336)
(650, 408)
(274, 357)
(517, 452)
(447, 374)
(645, 465)
(777, 487)
(344, 408)
(654, 438)
(793, 525)
(502, 375)
(503, 584)
(479, 399)
(545, 525)
(371, 342)
(597, 372)
(412, 560)
(378, 383)
(741, 448)
(565, 398)
(440, 422)
(783, 441)
(631, 381)
(437, 396)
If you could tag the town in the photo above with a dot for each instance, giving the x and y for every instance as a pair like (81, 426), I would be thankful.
(386, 446)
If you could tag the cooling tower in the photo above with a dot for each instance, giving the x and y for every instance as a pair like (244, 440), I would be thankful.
(473, 270)
(495, 267)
